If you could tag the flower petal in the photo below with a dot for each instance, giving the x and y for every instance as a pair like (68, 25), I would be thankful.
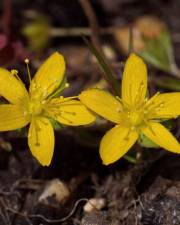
(103, 103)
(11, 88)
(41, 140)
(70, 112)
(116, 143)
(12, 117)
(48, 77)
(134, 80)
(161, 136)
(168, 105)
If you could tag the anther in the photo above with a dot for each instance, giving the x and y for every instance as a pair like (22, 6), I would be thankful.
(66, 85)
(14, 72)
(28, 70)
(26, 61)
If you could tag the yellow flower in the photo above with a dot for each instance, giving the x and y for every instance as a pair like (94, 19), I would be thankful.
(38, 106)
(133, 113)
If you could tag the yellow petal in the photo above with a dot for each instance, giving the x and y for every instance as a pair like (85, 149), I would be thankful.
(134, 80)
(70, 112)
(168, 105)
(48, 77)
(12, 117)
(11, 88)
(116, 143)
(161, 136)
(41, 140)
(103, 103)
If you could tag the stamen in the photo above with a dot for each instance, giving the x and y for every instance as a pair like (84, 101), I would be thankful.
(155, 108)
(44, 91)
(150, 101)
(63, 100)
(15, 73)
(28, 70)
(60, 112)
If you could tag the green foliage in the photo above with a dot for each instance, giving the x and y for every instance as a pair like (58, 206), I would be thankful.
(37, 33)
(159, 52)
(169, 83)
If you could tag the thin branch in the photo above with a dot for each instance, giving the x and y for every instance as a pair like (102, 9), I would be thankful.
(91, 16)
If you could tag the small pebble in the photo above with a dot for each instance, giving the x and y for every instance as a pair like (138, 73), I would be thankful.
(56, 189)
(94, 204)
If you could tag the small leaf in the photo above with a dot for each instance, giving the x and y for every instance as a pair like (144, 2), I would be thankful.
(37, 33)
(158, 51)
(146, 142)
(169, 83)
(59, 90)
(57, 126)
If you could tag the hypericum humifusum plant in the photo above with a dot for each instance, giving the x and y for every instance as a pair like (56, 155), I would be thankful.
(133, 113)
(39, 106)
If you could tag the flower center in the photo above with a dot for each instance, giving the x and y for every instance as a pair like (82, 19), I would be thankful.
(35, 108)
(135, 118)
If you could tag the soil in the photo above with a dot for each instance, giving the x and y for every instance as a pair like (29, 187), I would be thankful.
(146, 193)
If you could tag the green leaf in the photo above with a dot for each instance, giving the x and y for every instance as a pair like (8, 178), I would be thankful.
(57, 126)
(146, 142)
(37, 33)
(159, 52)
(168, 83)
(59, 90)
(108, 73)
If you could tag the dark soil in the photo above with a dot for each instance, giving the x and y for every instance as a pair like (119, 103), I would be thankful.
(147, 193)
